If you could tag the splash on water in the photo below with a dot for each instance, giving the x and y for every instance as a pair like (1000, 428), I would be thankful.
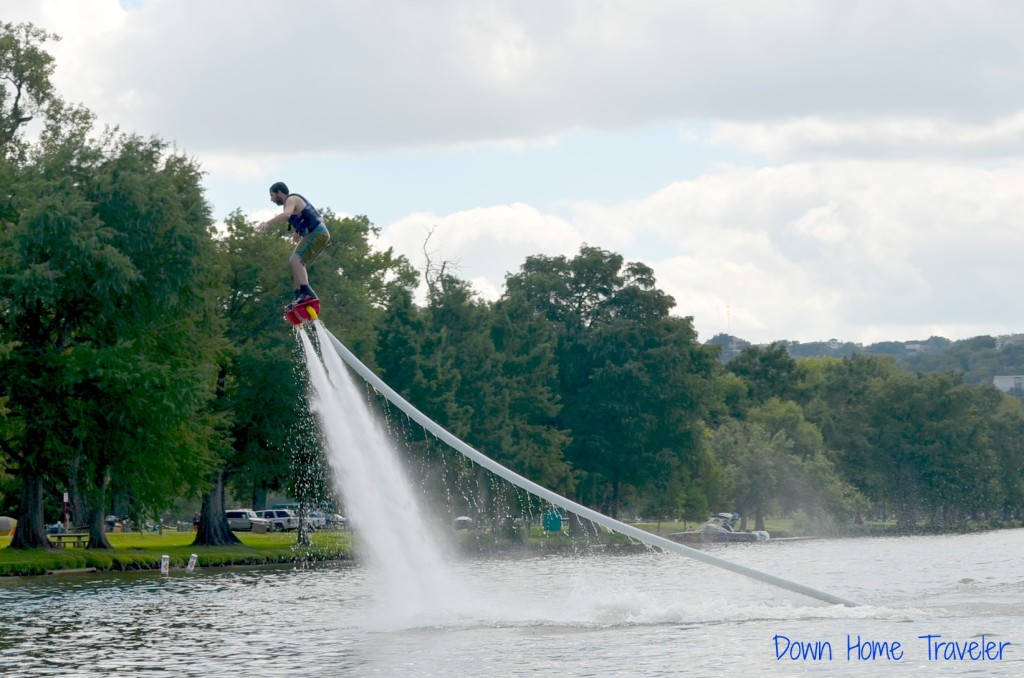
(415, 584)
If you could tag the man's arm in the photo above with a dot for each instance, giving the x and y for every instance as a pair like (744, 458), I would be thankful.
(293, 205)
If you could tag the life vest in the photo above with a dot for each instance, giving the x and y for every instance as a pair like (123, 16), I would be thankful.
(306, 220)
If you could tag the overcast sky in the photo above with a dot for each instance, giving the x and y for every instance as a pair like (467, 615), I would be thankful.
(790, 169)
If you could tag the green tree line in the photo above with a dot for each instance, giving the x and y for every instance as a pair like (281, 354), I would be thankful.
(144, 360)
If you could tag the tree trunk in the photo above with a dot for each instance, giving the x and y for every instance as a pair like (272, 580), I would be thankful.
(303, 538)
(31, 530)
(905, 517)
(483, 487)
(213, 523)
(98, 528)
(759, 520)
(580, 527)
(743, 509)
(906, 502)
(97, 514)
(259, 497)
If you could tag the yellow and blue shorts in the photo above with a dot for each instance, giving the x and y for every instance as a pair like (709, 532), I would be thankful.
(312, 245)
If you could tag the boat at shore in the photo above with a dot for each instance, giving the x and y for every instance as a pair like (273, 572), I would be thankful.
(719, 528)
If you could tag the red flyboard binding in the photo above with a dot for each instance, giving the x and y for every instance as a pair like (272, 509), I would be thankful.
(303, 313)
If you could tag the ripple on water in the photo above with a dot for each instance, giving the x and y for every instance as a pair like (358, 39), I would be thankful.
(640, 614)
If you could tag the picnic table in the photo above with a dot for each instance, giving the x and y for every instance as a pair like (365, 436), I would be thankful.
(69, 539)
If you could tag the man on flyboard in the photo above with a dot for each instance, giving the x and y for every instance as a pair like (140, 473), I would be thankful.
(311, 237)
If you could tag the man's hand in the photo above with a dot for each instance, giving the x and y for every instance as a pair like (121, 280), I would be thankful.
(279, 219)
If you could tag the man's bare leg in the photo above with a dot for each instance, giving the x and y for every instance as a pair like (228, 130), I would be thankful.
(300, 276)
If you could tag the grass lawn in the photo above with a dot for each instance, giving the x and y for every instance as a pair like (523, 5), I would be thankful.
(142, 550)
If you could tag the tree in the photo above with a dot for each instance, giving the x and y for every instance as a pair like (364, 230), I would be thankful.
(485, 372)
(525, 345)
(911, 443)
(755, 461)
(633, 381)
(769, 372)
(260, 390)
(1006, 433)
(25, 72)
(54, 253)
(665, 493)
(959, 471)
(112, 368)
(810, 483)
(835, 395)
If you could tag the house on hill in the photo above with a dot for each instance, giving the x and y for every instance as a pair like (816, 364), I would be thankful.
(1009, 384)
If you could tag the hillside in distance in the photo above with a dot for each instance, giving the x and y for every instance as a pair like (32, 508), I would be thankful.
(979, 359)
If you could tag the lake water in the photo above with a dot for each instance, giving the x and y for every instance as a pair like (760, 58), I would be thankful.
(598, 614)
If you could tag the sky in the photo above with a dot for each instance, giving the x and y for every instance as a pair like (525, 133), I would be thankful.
(796, 169)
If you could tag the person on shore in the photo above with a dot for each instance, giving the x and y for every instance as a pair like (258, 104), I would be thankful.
(311, 237)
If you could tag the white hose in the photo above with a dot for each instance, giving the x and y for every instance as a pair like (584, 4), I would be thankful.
(567, 504)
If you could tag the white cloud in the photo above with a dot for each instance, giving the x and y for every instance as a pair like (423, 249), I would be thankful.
(83, 27)
(893, 137)
(481, 245)
(241, 168)
(232, 77)
(854, 250)
(876, 149)
(822, 223)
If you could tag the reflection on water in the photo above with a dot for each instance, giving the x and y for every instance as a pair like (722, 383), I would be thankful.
(636, 614)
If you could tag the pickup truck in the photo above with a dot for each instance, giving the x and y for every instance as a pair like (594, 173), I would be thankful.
(243, 519)
(280, 519)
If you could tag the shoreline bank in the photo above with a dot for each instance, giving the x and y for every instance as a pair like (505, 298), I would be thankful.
(143, 551)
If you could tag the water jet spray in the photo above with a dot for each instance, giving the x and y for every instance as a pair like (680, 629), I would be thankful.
(560, 501)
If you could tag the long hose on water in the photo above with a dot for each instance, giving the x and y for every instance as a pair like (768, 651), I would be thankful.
(558, 500)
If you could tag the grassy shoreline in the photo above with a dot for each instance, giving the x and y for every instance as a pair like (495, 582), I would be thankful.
(142, 551)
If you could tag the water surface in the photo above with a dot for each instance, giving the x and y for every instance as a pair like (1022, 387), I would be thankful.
(602, 614)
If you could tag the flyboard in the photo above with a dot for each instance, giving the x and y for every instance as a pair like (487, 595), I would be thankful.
(304, 313)
(556, 499)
